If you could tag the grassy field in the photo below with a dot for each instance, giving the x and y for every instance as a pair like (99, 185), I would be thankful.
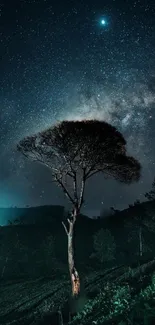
(109, 297)
(34, 279)
(29, 302)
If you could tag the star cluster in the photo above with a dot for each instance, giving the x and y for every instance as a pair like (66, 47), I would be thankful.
(60, 61)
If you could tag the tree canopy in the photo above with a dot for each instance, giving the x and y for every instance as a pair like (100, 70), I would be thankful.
(81, 149)
(93, 145)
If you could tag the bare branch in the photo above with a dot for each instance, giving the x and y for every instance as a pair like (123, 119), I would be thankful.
(69, 221)
(65, 190)
(93, 173)
(75, 188)
(91, 169)
(82, 190)
(69, 174)
(65, 228)
(69, 165)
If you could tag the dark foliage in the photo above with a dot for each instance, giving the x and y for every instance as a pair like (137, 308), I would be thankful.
(73, 146)
(151, 194)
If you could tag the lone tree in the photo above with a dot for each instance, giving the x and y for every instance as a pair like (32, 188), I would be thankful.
(104, 245)
(74, 151)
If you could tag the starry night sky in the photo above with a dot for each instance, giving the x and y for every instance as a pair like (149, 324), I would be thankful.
(58, 60)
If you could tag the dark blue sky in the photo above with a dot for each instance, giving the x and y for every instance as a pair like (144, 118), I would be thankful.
(57, 61)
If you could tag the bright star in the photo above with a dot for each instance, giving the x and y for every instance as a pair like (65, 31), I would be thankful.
(103, 22)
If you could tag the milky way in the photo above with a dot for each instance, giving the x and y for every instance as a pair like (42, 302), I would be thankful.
(58, 63)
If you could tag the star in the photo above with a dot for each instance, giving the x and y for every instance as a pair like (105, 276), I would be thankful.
(100, 77)
(103, 22)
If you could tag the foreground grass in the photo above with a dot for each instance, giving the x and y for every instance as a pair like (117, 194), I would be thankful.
(122, 296)
(26, 302)
(123, 299)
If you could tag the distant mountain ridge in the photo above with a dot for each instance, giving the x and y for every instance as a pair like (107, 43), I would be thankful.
(49, 213)
(31, 215)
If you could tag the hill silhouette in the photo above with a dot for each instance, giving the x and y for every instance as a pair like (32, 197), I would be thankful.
(31, 215)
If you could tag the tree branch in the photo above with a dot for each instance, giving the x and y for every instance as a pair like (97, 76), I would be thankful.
(69, 221)
(82, 189)
(70, 167)
(65, 228)
(75, 188)
(69, 174)
(98, 170)
(90, 169)
(93, 173)
(65, 190)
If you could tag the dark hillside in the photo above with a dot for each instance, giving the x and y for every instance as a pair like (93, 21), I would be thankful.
(32, 215)
(34, 279)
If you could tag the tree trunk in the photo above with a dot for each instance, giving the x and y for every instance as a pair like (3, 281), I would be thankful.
(75, 280)
(140, 242)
